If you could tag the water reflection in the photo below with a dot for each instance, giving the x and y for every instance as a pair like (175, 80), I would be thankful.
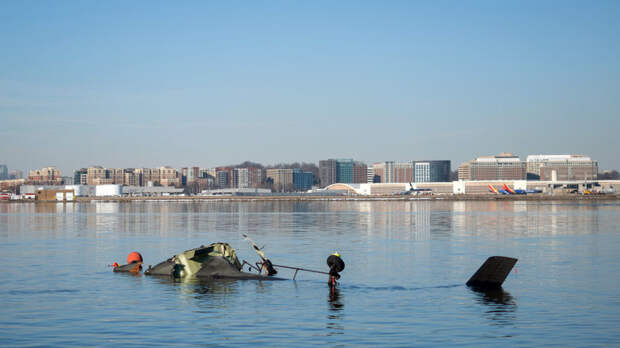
(501, 306)
(208, 294)
(412, 220)
(335, 314)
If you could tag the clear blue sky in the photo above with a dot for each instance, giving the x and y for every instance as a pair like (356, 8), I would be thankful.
(133, 84)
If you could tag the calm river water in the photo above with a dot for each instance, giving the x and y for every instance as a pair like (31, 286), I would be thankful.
(406, 265)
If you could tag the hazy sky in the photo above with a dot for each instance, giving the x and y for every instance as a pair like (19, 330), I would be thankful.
(205, 83)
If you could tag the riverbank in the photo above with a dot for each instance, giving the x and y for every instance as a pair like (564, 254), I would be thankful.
(460, 197)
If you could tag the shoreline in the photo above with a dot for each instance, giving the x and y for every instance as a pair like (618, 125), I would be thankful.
(462, 197)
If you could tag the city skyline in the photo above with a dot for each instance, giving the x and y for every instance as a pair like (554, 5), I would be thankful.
(277, 164)
(146, 85)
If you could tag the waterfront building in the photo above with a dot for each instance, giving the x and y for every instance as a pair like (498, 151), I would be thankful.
(80, 176)
(431, 171)
(504, 166)
(16, 174)
(184, 175)
(251, 177)
(98, 175)
(370, 174)
(4, 172)
(393, 172)
(402, 172)
(561, 167)
(240, 178)
(328, 172)
(282, 179)
(131, 177)
(222, 178)
(194, 174)
(378, 170)
(360, 172)
(45, 176)
(188, 175)
(208, 173)
(302, 180)
(344, 170)
(256, 177)
(147, 176)
(340, 170)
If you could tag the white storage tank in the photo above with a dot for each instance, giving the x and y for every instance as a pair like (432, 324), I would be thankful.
(108, 190)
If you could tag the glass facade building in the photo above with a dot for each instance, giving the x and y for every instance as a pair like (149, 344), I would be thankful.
(302, 180)
(432, 171)
(344, 171)
(4, 172)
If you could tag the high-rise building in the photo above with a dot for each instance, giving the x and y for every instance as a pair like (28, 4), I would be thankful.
(184, 176)
(504, 166)
(378, 170)
(256, 176)
(431, 171)
(208, 173)
(332, 171)
(45, 176)
(360, 173)
(131, 177)
(16, 174)
(194, 174)
(4, 172)
(240, 178)
(147, 176)
(98, 175)
(169, 176)
(302, 180)
(393, 172)
(222, 179)
(561, 167)
(328, 172)
(344, 171)
(282, 179)
(403, 172)
(565, 167)
(370, 175)
(80, 176)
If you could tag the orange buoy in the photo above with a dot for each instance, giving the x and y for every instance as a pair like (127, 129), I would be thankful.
(115, 264)
(134, 257)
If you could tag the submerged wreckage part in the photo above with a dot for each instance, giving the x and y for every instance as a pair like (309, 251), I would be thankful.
(218, 260)
(134, 267)
(336, 265)
(134, 263)
(492, 273)
(266, 265)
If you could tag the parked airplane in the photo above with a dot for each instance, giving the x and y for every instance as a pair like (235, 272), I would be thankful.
(514, 192)
(497, 192)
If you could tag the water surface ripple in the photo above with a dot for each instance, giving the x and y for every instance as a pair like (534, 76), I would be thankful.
(406, 265)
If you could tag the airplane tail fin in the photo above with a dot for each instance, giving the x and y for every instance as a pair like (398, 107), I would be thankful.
(508, 189)
(492, 273)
